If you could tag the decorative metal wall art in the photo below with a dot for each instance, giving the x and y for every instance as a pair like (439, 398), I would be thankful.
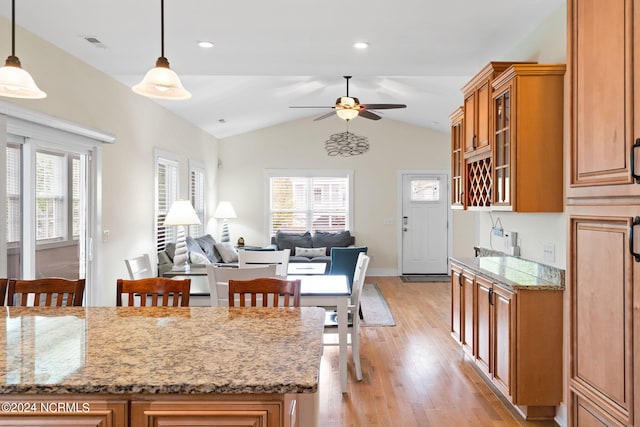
(346, 144)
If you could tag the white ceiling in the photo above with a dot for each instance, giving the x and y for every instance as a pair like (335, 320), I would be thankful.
(270, 55)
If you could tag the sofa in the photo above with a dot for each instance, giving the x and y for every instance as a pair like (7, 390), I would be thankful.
(202, 250)
(307, 247)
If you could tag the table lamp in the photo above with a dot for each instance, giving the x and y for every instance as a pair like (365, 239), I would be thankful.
(225, 211)
(181, 214)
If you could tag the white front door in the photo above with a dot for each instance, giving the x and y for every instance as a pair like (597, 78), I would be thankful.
(425, 208)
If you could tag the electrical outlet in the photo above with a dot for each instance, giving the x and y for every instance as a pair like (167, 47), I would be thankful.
(549, 252)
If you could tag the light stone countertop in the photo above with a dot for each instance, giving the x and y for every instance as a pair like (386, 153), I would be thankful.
(190, 350)
(515, 273)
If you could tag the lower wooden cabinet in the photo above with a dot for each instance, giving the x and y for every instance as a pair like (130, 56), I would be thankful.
(517, 339)
(462, 308)
(63, 411)
(288, 410)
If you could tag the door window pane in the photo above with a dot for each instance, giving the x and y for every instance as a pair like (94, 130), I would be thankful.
(425, 190)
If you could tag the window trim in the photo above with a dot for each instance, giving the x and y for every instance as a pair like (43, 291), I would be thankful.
(307, 173)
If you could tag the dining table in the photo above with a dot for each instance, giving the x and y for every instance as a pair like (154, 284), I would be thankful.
(325, 290)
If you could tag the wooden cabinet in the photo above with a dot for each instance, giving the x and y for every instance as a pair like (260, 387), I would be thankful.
(527, 130)
(63, 411)
(602, 203)
(604, 112)
(512, 139)
(602, 281)
(517, 339)
(457, 159)
(477, 109)
(462, 308)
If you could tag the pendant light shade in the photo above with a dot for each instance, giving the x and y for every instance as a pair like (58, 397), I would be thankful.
(14, 81)
(161, 82)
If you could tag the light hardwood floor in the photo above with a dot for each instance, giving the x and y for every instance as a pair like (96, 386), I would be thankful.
(414, 373)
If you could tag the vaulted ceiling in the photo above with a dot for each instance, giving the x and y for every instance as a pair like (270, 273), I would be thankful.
(270, 55)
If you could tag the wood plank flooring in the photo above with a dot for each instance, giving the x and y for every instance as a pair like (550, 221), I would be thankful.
(414, 373)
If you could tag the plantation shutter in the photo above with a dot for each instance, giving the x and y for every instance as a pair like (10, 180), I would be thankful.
(14, 173)
(197, 193)
(167, 193)
(50, 196)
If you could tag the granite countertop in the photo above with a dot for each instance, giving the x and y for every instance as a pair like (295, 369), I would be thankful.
(190, 350)
(515, 273)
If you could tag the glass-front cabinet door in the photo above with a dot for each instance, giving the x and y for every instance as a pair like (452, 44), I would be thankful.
(502, 148)
(457, 159)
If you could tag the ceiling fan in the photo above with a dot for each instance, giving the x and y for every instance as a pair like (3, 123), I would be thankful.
(348, 108)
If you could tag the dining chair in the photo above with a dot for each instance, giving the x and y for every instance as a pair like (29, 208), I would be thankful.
(219, 280)
(163, 292)
(49, 291)
(252, 259)
(139, 267)
(269, 291)
(344, 260)
(3, 290)
(353, 329)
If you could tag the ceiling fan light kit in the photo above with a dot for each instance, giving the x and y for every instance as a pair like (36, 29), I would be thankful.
(162, 82)
(14, 81)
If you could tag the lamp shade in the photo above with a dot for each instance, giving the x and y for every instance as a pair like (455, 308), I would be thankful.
(181, 213)
(224, 210)
(18, 83)
(347, 113)
(161, 82)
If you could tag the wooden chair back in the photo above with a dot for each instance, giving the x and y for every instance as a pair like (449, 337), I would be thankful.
(268, 289)
(163, 292)
(253, 259)
(50, 291)
(3, 290)
(139, 267)
(219, 280)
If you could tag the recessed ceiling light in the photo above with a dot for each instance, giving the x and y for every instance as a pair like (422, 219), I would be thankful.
(205, 44)
(361, 45)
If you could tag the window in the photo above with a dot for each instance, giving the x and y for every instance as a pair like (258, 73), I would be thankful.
(166, 194)
(197, 193)
(425, 190)
(14, 212)
(308, 200)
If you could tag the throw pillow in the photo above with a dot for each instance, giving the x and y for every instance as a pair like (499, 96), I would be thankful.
(227, 252)
(193, 246)
(330, 240)
(206, 243)
(311, 252)
(197, 258)
(292, 240)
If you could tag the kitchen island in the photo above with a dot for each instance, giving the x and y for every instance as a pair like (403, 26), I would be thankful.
(132, 366)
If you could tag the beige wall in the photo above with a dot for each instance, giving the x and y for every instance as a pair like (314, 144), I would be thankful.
(394, 147)
(81, 94)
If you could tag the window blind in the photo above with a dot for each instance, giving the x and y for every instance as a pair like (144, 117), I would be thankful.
(14, 174)
(197, 192)
(50, 196)
(166, 194)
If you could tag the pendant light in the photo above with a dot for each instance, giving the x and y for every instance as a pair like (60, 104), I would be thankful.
(14, 81)
(161, 82)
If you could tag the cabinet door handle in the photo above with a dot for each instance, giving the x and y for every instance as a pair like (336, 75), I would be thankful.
(490, 296)
(636, 221)
(632, 161)
(473, 141)
(460, 279)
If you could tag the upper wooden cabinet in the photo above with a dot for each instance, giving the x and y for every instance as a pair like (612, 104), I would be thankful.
(527, 112)
(477, 111)
(603, 122)
(457, 159)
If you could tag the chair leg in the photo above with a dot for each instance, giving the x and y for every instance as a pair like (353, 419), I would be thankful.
(355, 351)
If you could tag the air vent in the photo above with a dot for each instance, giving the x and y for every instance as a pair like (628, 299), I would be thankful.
(94, 41)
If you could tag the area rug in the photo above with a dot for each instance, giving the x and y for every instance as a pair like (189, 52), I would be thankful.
(413, 278)
(375, 310)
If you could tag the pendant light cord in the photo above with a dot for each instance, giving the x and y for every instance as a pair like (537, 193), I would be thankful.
(161, 28)
(13, 27)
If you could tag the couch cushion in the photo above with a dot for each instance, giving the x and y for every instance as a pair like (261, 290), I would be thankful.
(198, 258)
(286, 240)
(310, 252)
(329, 240)
(193, 246)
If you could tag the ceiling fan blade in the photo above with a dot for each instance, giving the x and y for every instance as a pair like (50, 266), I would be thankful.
(369, 115)
(324, 116)
(382, 106)
(306, 106)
